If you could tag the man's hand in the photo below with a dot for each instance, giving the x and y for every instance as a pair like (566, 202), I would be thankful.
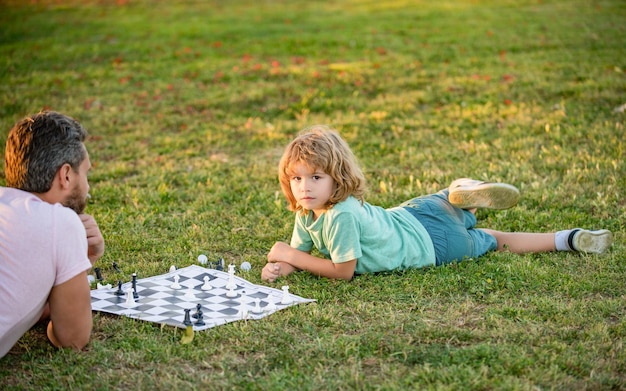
(95, 241)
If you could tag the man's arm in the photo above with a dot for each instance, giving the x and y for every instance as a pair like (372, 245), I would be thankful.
(70, 312)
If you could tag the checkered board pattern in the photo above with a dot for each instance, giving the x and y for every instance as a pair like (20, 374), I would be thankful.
(160, 303)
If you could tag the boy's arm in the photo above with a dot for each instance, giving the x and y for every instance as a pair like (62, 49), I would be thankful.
(282, 252)
(70, 312)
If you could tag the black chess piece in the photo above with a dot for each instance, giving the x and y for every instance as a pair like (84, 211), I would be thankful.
(119, 291)
(220, 264)
(198, 311)
(117, 269)
(200, 321)
(187, 321)
(98, 274)
(135, 294)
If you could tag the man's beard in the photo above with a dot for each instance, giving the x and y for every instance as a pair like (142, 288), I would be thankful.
(76, 201)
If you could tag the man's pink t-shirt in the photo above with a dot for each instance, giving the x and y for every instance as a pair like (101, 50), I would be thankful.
(41, 246)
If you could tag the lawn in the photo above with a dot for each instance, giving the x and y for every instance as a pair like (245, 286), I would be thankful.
(189, 105)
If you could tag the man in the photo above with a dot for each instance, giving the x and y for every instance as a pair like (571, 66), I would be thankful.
(47, 243)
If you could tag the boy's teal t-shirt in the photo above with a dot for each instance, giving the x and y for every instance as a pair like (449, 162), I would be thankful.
(379, 239)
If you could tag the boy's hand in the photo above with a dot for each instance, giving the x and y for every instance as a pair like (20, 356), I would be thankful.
(272, 270)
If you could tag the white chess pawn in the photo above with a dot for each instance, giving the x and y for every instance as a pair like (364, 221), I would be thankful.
(189, 295)
(286, 296)
(257, 306)
(176, 285)
(207, 284)
(271, 306)
(130, 300)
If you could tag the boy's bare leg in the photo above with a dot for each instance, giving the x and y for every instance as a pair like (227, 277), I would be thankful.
(523, 242)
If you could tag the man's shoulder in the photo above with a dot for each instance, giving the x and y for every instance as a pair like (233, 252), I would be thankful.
(8, 193)
(25, 204)
(17, 201)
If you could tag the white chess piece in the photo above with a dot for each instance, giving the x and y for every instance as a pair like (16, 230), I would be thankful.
(202, 259)
(245, 266)
(100, 286)
(231, 292)
(231, 277)
(189, 295)
(257, 306)
(286, 296)
(130, 300)
(172, 269)
(243, 307)
(207, 284)
(271, 306)
(176, 285)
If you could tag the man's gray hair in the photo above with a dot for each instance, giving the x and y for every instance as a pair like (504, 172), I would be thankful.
(38, 146)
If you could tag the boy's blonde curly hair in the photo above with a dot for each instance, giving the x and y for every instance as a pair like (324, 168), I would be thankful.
(320, 147)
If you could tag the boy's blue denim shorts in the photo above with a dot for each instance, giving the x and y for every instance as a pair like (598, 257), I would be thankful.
(451, 229)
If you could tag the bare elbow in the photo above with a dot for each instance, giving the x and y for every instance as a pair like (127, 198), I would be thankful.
(79, 343)
(345, 271)
(346, 276)
(76, 339)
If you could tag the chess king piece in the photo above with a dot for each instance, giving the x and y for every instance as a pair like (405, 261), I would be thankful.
(135, 294)
(231, 277)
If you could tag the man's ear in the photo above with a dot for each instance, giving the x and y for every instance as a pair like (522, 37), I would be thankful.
(64, 176)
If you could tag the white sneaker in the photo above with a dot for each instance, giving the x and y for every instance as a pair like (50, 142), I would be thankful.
(595, 242)
(468, 193)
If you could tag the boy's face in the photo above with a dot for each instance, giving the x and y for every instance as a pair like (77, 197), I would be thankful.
(312, 188)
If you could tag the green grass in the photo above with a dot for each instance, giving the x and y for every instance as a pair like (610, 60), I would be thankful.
(189, 105)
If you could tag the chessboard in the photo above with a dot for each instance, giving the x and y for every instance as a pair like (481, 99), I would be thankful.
(193, 295)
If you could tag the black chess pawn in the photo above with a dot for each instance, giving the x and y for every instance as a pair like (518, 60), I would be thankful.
(220, 264)
(198, 311)
(187, 321)
(98, 274)
(200, 321)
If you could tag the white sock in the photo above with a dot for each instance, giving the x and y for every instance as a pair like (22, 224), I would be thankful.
(561, 240)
